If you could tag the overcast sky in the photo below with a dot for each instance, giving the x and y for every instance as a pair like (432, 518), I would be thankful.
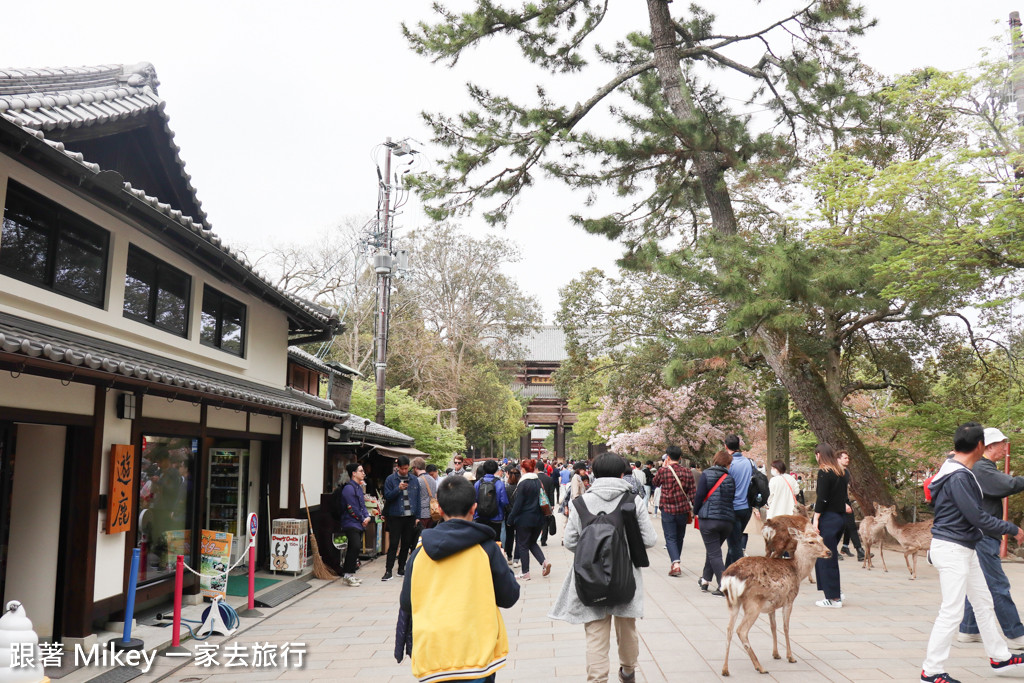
(277, 107)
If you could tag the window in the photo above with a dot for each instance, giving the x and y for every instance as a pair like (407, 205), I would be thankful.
(166, 502)
(223, 323)
(156, 293)
(44, 244)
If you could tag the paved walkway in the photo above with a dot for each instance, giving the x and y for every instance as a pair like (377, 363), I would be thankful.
(879, 635)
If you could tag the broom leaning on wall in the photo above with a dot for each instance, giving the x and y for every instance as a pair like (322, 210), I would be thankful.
(320, 570)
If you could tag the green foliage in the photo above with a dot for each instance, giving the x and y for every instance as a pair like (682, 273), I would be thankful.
(411, 417)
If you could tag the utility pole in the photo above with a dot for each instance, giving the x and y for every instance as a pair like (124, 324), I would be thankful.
(384, 261)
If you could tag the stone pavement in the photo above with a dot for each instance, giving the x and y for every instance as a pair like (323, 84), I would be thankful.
(878, 635)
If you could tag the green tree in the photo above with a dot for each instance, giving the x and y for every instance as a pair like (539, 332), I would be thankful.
(411, 417)
(800, 293)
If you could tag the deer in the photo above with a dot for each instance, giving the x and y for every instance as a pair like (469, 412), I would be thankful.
(912, 537)
(777, 539)
(766, 584)
(872, 532)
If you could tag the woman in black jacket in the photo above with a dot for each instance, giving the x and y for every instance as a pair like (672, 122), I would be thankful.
(829, 520)
(716, 516)
(528, 520)
(510, 533)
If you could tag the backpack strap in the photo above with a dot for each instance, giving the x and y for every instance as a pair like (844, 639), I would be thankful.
(586, 516)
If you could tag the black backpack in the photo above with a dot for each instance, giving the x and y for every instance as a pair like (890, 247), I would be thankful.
(757, 492)
(602, 570)
(487, 500)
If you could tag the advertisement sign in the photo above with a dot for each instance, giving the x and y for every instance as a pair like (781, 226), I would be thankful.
(121, 493)
(216, 558)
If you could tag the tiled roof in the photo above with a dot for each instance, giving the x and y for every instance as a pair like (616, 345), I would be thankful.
(39, 100)
(374, 432)
(546, 344)
(535, 390)
(37, 340)
(306, 359)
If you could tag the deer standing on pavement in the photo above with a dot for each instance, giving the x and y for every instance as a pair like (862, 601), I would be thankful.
(765, 584)
(913, 537)
(872, 532)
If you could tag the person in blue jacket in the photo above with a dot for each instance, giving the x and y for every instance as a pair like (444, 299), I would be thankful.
(496, 522)
(354, 518)
(401, 509)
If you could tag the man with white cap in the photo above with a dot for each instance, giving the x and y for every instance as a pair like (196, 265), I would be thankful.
(995, 486)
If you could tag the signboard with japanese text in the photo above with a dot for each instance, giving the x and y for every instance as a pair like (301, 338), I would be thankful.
(216, 558)
(121, 492)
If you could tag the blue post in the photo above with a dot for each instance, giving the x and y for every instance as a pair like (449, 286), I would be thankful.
(127, 642)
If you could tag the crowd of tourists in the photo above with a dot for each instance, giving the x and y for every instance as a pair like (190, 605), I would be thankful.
(498, 518)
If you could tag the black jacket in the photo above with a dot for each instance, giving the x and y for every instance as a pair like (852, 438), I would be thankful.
(549, 486)
(526, 512)
(719, 504)
(959, 517)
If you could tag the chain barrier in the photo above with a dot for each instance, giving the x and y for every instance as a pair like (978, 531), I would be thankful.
(242, 556)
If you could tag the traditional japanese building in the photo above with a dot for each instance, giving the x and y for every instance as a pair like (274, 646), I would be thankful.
(543, 353)
(145, 387)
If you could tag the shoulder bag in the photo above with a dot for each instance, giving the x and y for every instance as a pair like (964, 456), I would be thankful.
(692, 513)
(696, 520)
(435, 509)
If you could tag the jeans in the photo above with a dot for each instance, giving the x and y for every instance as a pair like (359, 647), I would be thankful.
(599, 640)
(826, 571)
(355, 544)
(959, 576)
(526, 543)
(999, 587)
(401, 532)
(714, 532)
(674, 526)
(736, 535)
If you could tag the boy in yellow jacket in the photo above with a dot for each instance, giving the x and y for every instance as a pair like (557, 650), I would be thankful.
(456, 572)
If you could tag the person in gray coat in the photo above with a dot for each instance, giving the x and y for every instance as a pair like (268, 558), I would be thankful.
(603, 496)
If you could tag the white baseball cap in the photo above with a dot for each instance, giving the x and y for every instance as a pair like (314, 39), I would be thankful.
(993, 435)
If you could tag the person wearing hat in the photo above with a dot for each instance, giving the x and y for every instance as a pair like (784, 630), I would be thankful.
(995, 486)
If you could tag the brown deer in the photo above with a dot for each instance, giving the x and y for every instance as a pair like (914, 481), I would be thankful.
(912, 537)
(872, 533)
(777, 539)
(764, 584)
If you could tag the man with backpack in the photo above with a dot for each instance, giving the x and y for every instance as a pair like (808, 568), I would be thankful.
(491, 498)
(741, 471)
(596, 532)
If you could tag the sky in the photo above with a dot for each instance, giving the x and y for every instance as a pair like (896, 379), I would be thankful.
(277, 107)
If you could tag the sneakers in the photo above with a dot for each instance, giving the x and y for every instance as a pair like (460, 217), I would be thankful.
(832, 604)
(860, 554)
(718, 593)
(625, 677)
(968, 637)
(546, 569)
(524, 576)
(515, 563)
(387, 576)
(938, 678)
(703, 584)
(845, 550)
(675, 570)
(1014, 663)
(351, 581)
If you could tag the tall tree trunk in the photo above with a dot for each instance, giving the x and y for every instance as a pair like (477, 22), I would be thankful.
(807, 389)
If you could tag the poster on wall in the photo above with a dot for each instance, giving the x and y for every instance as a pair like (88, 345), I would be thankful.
(121, 492)
(216, 558)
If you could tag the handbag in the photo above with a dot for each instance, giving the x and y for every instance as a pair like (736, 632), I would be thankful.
(696, 523)
(692, 513)
(552, 526)
(545, 504)
(435, 508)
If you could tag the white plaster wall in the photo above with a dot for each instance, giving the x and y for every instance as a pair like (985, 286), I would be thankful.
(39, 393)
(255, 456)
(286, 452)
(35, 522)
(160, 408)
(267, 329)
(110, 547)
(225, 418)
(264, 424)
(313, 440)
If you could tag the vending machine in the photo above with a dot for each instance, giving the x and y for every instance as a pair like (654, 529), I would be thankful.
(228, 497)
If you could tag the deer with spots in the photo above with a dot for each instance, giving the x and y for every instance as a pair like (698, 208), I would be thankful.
(872, 533)
(764, 585)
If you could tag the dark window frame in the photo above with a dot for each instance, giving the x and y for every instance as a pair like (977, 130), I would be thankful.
(219, 299)
(61, 226)
(161, 272)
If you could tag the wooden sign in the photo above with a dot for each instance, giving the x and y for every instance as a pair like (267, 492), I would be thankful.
(121, 493)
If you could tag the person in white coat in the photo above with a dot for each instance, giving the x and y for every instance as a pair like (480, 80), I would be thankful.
(782, 491)
(604, 496)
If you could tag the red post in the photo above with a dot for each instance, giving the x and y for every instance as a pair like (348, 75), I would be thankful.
(179, 576)
(1004, 543)
(252, 576)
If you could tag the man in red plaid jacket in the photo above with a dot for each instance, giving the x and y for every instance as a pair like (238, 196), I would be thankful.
(677, 491)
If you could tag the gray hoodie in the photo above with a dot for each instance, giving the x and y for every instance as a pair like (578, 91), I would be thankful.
(603, 496)
(959, 517)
